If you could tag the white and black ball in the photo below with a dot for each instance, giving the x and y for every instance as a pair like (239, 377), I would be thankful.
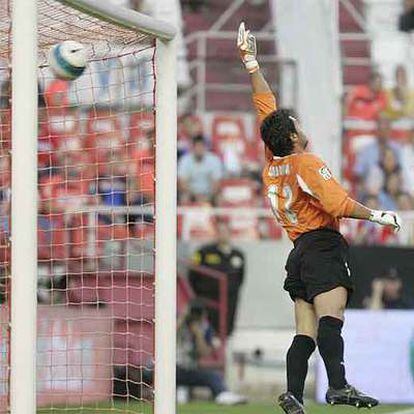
(68, 60)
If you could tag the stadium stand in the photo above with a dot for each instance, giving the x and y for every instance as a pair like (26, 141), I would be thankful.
(367, 98)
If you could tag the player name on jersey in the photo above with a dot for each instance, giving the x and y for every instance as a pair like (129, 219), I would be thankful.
(279, 170)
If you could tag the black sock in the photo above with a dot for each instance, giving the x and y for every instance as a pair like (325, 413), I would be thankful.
(297, 364)
(331, 348)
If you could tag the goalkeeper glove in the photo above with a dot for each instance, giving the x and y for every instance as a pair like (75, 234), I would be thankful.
(386, 218)
(246, 43)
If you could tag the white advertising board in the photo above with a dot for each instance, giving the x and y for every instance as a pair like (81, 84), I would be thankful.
(379, 355)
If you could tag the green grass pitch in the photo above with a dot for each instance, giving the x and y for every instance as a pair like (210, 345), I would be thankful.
(208, 408)
(271, 409)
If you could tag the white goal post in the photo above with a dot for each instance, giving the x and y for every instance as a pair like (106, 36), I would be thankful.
(24, 197)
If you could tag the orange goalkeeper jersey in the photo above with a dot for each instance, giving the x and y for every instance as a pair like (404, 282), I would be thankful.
(303, 193)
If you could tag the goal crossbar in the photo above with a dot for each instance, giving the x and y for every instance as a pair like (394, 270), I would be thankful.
(120, 16)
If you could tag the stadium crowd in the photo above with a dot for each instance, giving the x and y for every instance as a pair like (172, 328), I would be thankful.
(383, 161)
(379, 149)
(85, 158)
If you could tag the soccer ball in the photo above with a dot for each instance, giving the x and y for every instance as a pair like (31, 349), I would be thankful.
(68, 60)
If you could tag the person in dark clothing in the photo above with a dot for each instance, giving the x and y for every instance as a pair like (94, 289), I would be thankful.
(221, 256)
(387, 293)
(194, 342)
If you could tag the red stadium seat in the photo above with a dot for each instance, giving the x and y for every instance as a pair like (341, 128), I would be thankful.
(240, 193)
(197, 222)
(237, 192)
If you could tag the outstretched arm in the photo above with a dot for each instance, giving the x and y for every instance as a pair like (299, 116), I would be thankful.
(316, 179)
(263, 98)
(385, 218)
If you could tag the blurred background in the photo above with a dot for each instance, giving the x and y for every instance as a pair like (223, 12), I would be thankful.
(346, 67)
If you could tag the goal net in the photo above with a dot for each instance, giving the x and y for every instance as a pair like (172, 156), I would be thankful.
(96, 222)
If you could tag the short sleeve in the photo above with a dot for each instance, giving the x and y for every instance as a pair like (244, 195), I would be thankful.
(265, 104)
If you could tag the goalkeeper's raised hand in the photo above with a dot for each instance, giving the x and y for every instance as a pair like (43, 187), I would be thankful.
(246, 43)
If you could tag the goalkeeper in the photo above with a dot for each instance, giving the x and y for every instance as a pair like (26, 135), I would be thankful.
(309, 203)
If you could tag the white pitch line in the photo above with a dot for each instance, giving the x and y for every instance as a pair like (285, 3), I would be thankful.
(405, 411)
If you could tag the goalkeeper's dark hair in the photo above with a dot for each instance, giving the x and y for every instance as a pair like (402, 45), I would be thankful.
(276, 131)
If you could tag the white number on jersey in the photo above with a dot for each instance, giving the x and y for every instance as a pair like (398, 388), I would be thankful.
(287, 194)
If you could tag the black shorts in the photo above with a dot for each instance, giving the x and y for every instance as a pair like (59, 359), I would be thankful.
(318, 263)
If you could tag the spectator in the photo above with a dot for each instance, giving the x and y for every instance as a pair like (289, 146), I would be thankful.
(387, 293)
(389, 195)
(407, 162)
(189, 125)
(367, 101)
(372, 154)
(199, 173)
(400, 98)
(195, 341)
(222, 256)
(377, 176)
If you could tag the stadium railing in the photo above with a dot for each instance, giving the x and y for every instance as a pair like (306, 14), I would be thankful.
(92, 239)
(202, 52)
(220, 305)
